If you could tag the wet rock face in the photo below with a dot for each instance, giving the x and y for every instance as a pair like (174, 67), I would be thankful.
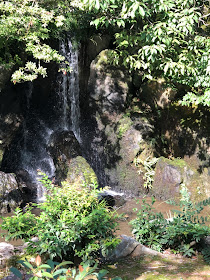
(64, 143)
(10, 117)
(10, 194)
(63, 147)
(4, 76)
(110, 138)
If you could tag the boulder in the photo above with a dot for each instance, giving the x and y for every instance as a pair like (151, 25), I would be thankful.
(108, 86)
(6, 252)
(170, 174)
(111, 136)
(112, 198)
(10, 193)
(129, 247)
(79, 171)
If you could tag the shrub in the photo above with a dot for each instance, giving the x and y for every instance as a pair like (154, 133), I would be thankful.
(181, 233)
(54, 270)
(72, 223)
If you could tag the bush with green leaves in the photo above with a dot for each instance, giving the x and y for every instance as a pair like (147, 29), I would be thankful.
(72, 223)
(168, 38)
(55, 270)
(181, 233)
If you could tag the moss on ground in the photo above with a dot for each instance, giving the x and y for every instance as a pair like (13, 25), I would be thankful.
(170, 268)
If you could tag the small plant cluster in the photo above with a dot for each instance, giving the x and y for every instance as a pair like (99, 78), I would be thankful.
(149, 166)
(72, 223)
(181, 233)
(55, 270)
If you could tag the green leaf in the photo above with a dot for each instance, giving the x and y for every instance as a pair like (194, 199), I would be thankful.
(141, 11)
(47, 274)
(97, 5)
(26, 264)
(59, 271)
(64, 263)
(16, 272)
(102, 273)
(44, 266)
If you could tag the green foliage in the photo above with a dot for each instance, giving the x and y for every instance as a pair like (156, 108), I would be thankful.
(148, 227)
(25, 26)
(181, 233)
(24, 229)
(72, 223)
(54, 270)
(149, 166)
(166, 38)
(206, 254)
(28, 29)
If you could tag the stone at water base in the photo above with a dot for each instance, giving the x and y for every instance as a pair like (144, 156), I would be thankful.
(129, 247)
(6, 252)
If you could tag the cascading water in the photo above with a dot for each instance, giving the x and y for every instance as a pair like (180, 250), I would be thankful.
(34, 155)
(30, 151)
(70, 89)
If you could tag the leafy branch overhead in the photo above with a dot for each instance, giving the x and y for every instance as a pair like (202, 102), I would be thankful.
(165, 38)
(25, 25)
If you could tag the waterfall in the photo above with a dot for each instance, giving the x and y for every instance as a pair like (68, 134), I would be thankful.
(31, 149)
(70, 88)
(30, 152)
(28, 104)
(34, 154)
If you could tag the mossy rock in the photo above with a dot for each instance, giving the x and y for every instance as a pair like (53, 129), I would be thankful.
(170, 174)
(80, 172)
(108, 86)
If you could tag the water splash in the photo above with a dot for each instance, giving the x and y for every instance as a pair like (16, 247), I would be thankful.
(35, 155)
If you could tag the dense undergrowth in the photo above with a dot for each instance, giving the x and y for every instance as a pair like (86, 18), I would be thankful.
(182, 233)
(73, 223)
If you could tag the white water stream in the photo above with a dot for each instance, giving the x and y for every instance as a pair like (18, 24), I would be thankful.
(34, 153)
(70, 89)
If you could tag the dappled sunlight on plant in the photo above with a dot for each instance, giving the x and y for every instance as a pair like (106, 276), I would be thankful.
(182, 233)
(73, 224)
